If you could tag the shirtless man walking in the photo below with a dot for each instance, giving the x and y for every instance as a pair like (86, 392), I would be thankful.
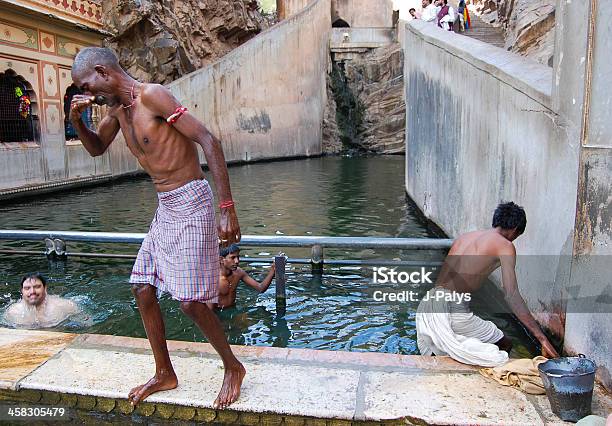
(180, 254)
(446, 326)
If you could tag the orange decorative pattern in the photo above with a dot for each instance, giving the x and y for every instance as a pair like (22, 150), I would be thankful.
(88, 12)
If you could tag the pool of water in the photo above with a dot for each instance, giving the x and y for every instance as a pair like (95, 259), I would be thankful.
(334, 196)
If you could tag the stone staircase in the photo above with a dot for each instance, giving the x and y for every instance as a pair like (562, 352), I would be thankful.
(485, 32)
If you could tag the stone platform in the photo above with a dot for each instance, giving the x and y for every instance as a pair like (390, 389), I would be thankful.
(94, 373)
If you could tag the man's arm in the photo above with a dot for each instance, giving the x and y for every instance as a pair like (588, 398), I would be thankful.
(517, 304)
(159, 99)
(95, 143)
(264, 285)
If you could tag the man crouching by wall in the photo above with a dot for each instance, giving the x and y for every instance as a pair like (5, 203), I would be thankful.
(446, 326)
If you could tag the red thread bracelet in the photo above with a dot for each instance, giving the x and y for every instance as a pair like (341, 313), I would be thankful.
(226, 204)
(177, 114)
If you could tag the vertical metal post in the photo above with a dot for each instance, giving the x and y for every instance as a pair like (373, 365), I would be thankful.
(316, 259)
(281, 293)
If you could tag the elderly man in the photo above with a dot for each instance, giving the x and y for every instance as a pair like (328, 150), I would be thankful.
(37, 308)
(180, 254)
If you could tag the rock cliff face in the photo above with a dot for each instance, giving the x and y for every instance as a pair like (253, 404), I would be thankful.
(377, 80)
(529, 25)
(159, 41)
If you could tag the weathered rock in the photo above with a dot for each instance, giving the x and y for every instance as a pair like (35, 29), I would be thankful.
(529, 25)
(331, 134)
(378, 83)
(159, 41)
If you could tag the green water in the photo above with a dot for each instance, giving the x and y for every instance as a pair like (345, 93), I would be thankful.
(334, 196)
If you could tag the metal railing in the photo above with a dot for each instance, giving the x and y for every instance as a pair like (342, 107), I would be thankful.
(56, 246)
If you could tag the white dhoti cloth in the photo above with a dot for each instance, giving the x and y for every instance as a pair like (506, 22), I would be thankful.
(449, 328)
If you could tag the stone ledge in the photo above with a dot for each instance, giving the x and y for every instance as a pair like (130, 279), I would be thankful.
(93, 374)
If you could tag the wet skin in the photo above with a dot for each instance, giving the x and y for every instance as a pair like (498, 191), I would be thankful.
(231, 275)
(473, 257)
(168, 153)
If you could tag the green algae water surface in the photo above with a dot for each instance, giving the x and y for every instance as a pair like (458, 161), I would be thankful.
(332, 196)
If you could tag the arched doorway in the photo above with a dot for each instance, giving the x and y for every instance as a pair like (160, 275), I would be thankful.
(18, 109)
(340, 23)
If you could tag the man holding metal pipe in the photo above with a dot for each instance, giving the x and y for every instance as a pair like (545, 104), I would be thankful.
(180, 253)
(231, 275)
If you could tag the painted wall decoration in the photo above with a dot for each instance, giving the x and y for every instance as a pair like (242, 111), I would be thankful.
(67, 47)
(50, 81)
(52, 118)
(47, 42)
(22, 36)
(88, 12)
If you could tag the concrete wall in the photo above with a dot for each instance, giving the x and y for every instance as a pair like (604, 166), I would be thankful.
(480, 130)
(360, 37)
(288, 8)
(485, 126)
(266, 98)
(586, 118)
(364, 13)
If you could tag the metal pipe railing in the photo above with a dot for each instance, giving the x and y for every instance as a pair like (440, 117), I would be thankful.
(247, 240)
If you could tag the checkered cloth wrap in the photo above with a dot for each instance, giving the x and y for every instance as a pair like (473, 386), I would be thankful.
(180, 254)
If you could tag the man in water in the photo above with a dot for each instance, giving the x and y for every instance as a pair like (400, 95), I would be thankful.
(37, 308)
(231, 275)
(446, 326)
(180, 254)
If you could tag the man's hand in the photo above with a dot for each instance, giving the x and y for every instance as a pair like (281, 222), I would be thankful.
(548, 350)
(78, 105)
(229, 229)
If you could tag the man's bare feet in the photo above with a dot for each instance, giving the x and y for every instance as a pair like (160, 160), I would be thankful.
(156, 383)
(230, 390)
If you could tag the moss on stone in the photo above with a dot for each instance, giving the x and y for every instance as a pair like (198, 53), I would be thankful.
(227, 416)
(205, 415)
(271, 419)
(86, 402)
(165, 411)
(123, 406)
(50, 398)
(145, 409)
(249, 419)
(69, 400)
(184, 413)
(105, 405)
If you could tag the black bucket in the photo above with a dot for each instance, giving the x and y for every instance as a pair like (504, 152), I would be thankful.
(569, 383)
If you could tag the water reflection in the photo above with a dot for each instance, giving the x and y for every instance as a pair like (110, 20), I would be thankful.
(322, 196)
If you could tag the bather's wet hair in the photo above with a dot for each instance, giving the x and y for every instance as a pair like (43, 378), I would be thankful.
(232, 248)
(510, 216)
(35, 276)
(89, 57)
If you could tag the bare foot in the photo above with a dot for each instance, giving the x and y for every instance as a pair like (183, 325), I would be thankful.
(155, 384)
(230, 390)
